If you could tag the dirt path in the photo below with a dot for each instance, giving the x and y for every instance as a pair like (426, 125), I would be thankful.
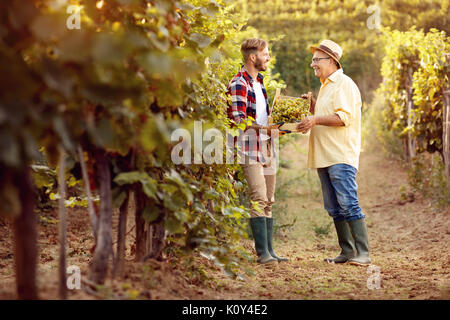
(409, 247)
(409, 240)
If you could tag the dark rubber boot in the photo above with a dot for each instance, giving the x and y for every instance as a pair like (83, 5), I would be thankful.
(359, 231)
(269, 222)
(346, 242)
(259, 230)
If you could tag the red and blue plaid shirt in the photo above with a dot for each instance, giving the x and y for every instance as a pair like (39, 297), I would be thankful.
(243, 105)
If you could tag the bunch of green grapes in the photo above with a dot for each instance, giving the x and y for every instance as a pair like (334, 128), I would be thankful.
(288, 109)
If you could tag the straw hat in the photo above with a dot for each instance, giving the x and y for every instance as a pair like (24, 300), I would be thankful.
(330, 48)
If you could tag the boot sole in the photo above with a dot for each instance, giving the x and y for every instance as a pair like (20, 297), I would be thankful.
(354, 263)
(331, 261)
(267, 262)
(281, 259)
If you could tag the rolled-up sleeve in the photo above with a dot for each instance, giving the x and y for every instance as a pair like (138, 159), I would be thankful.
(347, 100)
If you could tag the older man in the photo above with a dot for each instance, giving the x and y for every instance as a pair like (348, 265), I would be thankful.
(334, 148)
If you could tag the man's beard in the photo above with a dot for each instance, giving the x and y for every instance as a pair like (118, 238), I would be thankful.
(259, 65)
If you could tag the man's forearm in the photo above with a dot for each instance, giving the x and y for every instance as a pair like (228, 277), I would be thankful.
(255, 126)
(331, 121)
(270, 130)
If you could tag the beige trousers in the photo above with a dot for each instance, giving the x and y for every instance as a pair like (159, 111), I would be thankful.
(261, 180)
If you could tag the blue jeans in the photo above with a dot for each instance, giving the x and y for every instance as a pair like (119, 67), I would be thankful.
(339, 190)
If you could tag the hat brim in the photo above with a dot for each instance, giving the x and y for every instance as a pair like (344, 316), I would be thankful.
(313, 49)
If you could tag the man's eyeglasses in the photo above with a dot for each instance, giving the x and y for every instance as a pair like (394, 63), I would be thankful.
(316, 60)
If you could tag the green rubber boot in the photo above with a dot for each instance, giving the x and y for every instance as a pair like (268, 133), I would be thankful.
(259, 230)
(269, 222)
(346, 242)
(359, 231)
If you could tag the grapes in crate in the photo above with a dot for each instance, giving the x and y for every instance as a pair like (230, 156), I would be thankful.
(288, 109)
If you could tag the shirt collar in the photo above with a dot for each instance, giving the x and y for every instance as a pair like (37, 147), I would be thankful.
(333, 77)
(247, 77)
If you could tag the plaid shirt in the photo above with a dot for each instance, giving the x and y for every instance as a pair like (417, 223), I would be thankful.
(243, 105)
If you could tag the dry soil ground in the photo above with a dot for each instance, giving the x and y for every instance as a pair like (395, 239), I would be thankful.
(409, 243)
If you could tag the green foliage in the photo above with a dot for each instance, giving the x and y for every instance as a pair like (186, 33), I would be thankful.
(415, 62)
(323, 230)
(423, 56)
(426, 176)
(429, 82)
(134, 72)
(424, 14)
(374, 129)
(46, 185)
(301, 24)
(298, 24)
(45, 180)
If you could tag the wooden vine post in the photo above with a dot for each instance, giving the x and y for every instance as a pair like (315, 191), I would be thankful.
(62, 226)
(446, 128)
(410, 145)
(103, 249)
(91, 210)
(119, 263)
(25, 237)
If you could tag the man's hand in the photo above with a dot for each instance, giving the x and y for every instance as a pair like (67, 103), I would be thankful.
(272, 130)
(274, 126)
(275, 133)
(312, 106)
(307, 124)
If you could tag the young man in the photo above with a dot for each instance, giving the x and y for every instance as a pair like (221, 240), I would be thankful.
(249, 99)
(334, 148)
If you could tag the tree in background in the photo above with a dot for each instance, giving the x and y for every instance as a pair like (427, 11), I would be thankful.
(301, 23)
(115, 82)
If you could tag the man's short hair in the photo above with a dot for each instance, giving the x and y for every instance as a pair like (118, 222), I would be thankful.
(252, 46)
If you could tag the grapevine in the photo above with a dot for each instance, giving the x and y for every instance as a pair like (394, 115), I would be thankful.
(288, 109)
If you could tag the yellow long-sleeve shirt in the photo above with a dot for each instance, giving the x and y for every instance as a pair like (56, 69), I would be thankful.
(332, 145)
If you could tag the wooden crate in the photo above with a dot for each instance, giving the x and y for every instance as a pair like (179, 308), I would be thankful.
(290, 126)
